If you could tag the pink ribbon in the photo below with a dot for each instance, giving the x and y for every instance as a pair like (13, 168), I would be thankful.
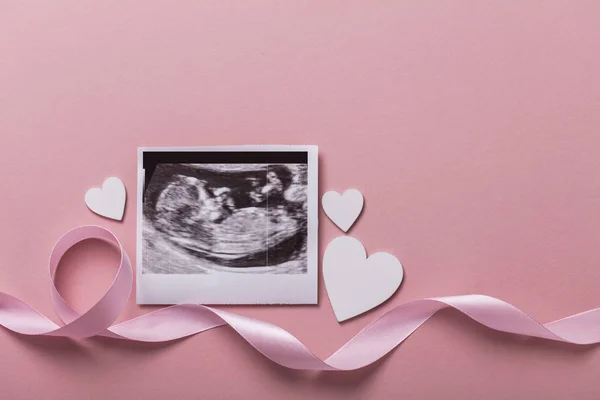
(368, 346)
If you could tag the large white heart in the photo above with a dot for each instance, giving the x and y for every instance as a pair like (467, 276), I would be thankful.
(344, 209)
(108, 201)
(356, 284)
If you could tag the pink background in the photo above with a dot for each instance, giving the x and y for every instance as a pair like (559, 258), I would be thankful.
(472, 128)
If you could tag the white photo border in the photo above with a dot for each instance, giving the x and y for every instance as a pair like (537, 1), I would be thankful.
(233, 288)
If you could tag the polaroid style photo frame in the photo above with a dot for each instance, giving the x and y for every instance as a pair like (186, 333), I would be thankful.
(227, 225)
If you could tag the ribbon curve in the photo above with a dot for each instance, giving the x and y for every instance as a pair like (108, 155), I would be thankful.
(275, 343)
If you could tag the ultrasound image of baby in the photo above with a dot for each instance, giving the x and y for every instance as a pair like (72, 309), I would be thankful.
(226, 217)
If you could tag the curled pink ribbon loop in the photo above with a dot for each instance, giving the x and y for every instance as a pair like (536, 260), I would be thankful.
(182, 320)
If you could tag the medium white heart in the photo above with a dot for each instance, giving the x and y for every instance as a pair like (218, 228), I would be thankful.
(109, 201)
(356, 284)
(344, 209)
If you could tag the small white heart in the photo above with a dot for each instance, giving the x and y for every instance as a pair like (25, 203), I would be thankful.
(109, 201)
(344, 209)
(356, 284)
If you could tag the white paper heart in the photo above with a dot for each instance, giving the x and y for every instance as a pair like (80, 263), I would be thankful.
(109, 201)
(356, 284)
(344, 209)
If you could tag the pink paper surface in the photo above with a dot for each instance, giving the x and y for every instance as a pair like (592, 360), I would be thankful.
(472, 128)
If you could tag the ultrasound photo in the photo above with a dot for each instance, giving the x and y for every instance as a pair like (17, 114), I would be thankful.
(216, 213)
(226, 217)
